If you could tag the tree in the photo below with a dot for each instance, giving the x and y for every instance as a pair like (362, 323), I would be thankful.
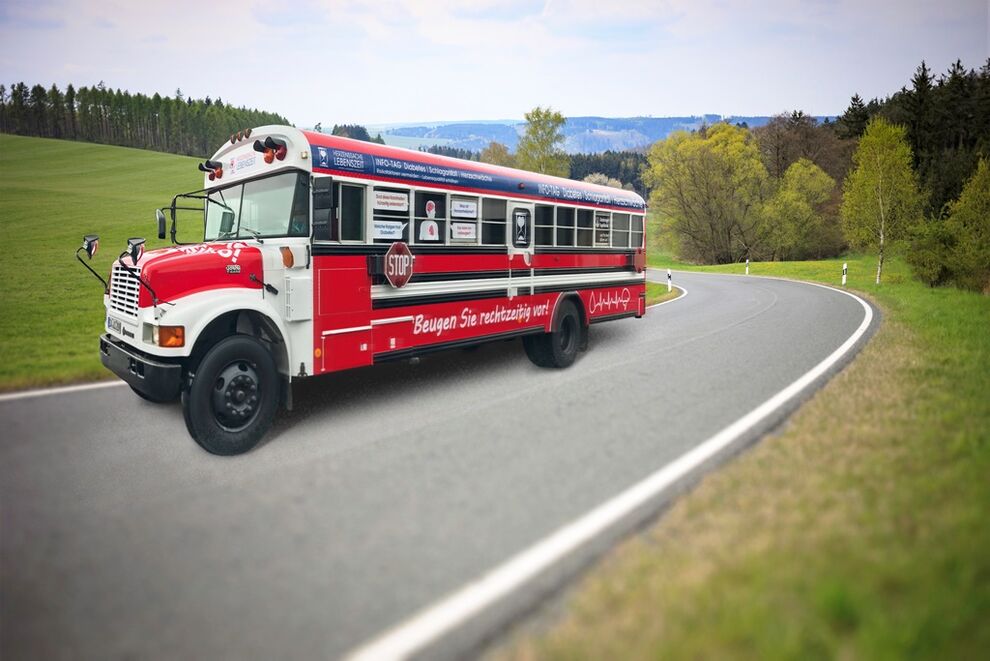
(797, 225)
(70, 110)
(541, 148)
(497, 154)
(626, 166)
(880, 196)
(969, 224)
(100, 114)
(602, 180)
(792, 136)
(852, 122)
(354, 131)
(708, 189)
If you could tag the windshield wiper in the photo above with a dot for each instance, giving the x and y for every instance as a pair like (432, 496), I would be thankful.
(256, 235)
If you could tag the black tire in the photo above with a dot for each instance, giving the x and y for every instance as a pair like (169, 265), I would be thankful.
(154, 400)
(557, 348)
(232, 401)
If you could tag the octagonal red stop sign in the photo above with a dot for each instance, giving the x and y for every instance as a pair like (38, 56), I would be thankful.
(398, 264)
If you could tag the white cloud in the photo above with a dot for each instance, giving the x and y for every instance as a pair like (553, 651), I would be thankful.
(392, 60)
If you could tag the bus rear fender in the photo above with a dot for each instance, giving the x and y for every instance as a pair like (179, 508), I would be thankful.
(578, 303)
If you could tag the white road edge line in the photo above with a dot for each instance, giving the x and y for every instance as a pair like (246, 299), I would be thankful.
(429, 624)
(44, 392)
(684, 292)
(62, 390)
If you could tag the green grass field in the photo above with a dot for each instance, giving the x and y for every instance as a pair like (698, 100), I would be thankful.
(51, 193)
(859, 531)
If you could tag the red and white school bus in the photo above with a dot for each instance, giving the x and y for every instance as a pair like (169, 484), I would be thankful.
(322, 254)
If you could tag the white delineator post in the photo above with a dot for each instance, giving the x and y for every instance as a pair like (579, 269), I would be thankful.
(845, 268)
(669, 286)
(747, 266)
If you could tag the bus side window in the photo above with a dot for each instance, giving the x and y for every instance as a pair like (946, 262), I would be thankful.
(493, 222)
(584, 224)
(544, 225)
(637, 232)
(463, 219)
(323, 208)
(351, 213)
(620, 231)
(565, 226)
(430, 217)
(390, 215)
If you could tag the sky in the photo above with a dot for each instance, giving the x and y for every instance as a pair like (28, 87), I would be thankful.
(389, 61)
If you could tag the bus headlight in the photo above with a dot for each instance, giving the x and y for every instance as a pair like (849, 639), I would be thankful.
(172, 337)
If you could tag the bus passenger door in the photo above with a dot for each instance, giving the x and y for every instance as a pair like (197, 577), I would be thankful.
(519, 238)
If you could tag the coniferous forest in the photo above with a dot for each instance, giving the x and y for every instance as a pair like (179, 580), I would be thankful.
(175, 124)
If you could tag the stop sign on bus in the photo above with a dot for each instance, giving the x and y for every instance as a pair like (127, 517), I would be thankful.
(398, 264)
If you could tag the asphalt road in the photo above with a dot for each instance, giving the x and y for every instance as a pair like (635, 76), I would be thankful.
(386, 489)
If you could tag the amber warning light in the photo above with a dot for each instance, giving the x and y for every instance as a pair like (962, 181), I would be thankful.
(272, 149)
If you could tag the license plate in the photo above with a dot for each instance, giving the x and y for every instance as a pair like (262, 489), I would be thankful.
(113, 324)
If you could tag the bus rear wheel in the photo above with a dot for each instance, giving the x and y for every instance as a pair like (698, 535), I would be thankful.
(558, 348)
(232, 400)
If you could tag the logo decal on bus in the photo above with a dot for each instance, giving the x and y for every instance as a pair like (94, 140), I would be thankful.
(609, 300)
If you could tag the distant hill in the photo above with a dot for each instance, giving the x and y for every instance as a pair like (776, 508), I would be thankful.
(583, 135)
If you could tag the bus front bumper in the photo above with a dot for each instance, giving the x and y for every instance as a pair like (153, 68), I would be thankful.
(157, 380)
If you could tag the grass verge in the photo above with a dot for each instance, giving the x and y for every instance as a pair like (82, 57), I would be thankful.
(858, 531)
(658, 293)
(51, 193)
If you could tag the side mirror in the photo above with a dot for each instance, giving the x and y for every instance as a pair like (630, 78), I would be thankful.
(226, 222)
(91, 243)
(160, 216)
(135, 248)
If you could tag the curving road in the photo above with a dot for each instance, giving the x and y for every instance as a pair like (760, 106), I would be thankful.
(387, 489)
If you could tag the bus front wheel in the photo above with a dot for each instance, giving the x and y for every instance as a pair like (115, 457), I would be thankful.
(557, 348)
(232, 400)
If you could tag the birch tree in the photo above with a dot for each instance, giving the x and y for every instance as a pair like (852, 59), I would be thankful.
(541, 148)
(497, 154)
(880, 199)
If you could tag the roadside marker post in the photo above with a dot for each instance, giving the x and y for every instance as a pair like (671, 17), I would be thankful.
(747, 266)
(669, 286)
(845, 269)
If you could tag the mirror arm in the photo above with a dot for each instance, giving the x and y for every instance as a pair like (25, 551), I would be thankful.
(106, 286)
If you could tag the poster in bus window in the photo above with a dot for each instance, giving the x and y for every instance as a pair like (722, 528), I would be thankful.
(390, 230)
(431, 205)
(463, 208)
(388, 200)
(603, 227)
(429, 231)
(464, 231)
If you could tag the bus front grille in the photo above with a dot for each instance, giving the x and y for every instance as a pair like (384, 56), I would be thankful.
(124, 291)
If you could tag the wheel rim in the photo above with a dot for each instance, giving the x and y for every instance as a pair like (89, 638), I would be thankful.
(236, 395)
(565, 336)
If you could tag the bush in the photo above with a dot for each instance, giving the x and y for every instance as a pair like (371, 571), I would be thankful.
(930, 252)
(957, 249)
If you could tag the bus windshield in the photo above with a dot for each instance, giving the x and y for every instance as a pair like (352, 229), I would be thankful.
(270, 207)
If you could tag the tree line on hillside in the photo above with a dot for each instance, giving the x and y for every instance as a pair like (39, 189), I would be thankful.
(908, 173)
(177, 124)
(947, 122)
(355, 131)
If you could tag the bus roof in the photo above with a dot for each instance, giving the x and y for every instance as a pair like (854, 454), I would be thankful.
(343, 156)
